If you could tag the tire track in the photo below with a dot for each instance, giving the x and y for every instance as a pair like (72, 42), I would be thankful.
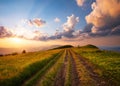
(76, 71)
(74, 75)
(92, 76)
(38, 76)
(60, 77)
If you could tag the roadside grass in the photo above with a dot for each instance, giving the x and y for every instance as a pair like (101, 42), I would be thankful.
(15, 69)
(42, 71)
(50, 76)
(107, 61)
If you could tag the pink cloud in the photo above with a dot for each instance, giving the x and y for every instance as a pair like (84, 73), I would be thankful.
(105, 15)
(71, 22)
(4, 32)
(57, 19)
(37, 22)
(80, 2)
(103, 12)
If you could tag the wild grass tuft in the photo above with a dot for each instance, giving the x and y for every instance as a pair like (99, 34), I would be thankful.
(107, 61)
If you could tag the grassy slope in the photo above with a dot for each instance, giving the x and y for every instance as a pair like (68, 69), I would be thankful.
(50, 76)
(63, 47)
(41, 72)
(108, 62)
(18, 67)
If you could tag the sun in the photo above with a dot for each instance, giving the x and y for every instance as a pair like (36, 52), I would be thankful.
(16, 40)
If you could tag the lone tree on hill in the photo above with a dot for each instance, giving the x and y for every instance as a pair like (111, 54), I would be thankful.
(24, 51)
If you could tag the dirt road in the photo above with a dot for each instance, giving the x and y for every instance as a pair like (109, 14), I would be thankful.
(81, 72)
(74, 70)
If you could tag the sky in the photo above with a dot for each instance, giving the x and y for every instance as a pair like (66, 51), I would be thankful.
(35, 23)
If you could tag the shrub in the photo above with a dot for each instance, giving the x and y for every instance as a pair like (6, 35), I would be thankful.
(24, 51)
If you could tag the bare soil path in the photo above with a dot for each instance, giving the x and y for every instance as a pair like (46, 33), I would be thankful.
(74, 75)
(87, 76)
(60, 77)
(76, 71)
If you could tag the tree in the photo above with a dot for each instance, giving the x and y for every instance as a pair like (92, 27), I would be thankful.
(24, 51)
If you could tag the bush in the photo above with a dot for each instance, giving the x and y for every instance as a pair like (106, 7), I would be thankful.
(24, 51)
(14, 53)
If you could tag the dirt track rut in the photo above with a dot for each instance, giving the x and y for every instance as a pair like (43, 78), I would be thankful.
(60, 77)
(76, 71)
(85, 70)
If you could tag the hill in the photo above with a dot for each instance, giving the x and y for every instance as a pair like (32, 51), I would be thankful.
(89, 46)
(65, 46)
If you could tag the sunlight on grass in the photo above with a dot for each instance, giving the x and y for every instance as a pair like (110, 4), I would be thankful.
(107, 61)
(11, 66)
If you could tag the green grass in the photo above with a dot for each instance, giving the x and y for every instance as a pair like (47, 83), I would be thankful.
(107, 61)
(83, 73)
(42, 71)
(89, 46)
(43, 67)
(14, 70)
(63, 47)
(49, 78)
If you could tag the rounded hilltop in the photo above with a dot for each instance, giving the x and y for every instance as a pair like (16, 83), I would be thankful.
(64, 46)
(89, 46)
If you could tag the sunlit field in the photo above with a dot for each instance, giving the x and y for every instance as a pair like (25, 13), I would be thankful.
(63, 66)
(107, 63)
(13, 65)
(59, 42)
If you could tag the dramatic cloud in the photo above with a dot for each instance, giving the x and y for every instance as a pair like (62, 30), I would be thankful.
(80, 2)
(40, 36)
(4, 32)
(68, 30)
(37, 22)
(56, 20)
(87, 28)
(71, 22)
(105, 16)
(69, 27)
(115, 31)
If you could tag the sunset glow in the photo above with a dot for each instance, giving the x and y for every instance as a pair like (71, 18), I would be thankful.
(16, 40)
(52, 22)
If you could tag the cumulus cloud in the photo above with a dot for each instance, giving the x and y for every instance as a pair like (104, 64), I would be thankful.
(115, 31)
(71, 22)
(105, 16)
(4, 32)
(87, 28)
(39, 35)
(69, 26)
(56, 20)
(67, 32)
(80, 2)
(37, 22)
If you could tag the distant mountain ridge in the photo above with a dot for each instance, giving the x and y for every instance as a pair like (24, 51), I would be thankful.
(114, 48)
(19, 50)
(9, 50)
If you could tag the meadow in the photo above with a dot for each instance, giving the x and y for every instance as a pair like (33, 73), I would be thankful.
(106, 63)
(15, 69)
(62, 66)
